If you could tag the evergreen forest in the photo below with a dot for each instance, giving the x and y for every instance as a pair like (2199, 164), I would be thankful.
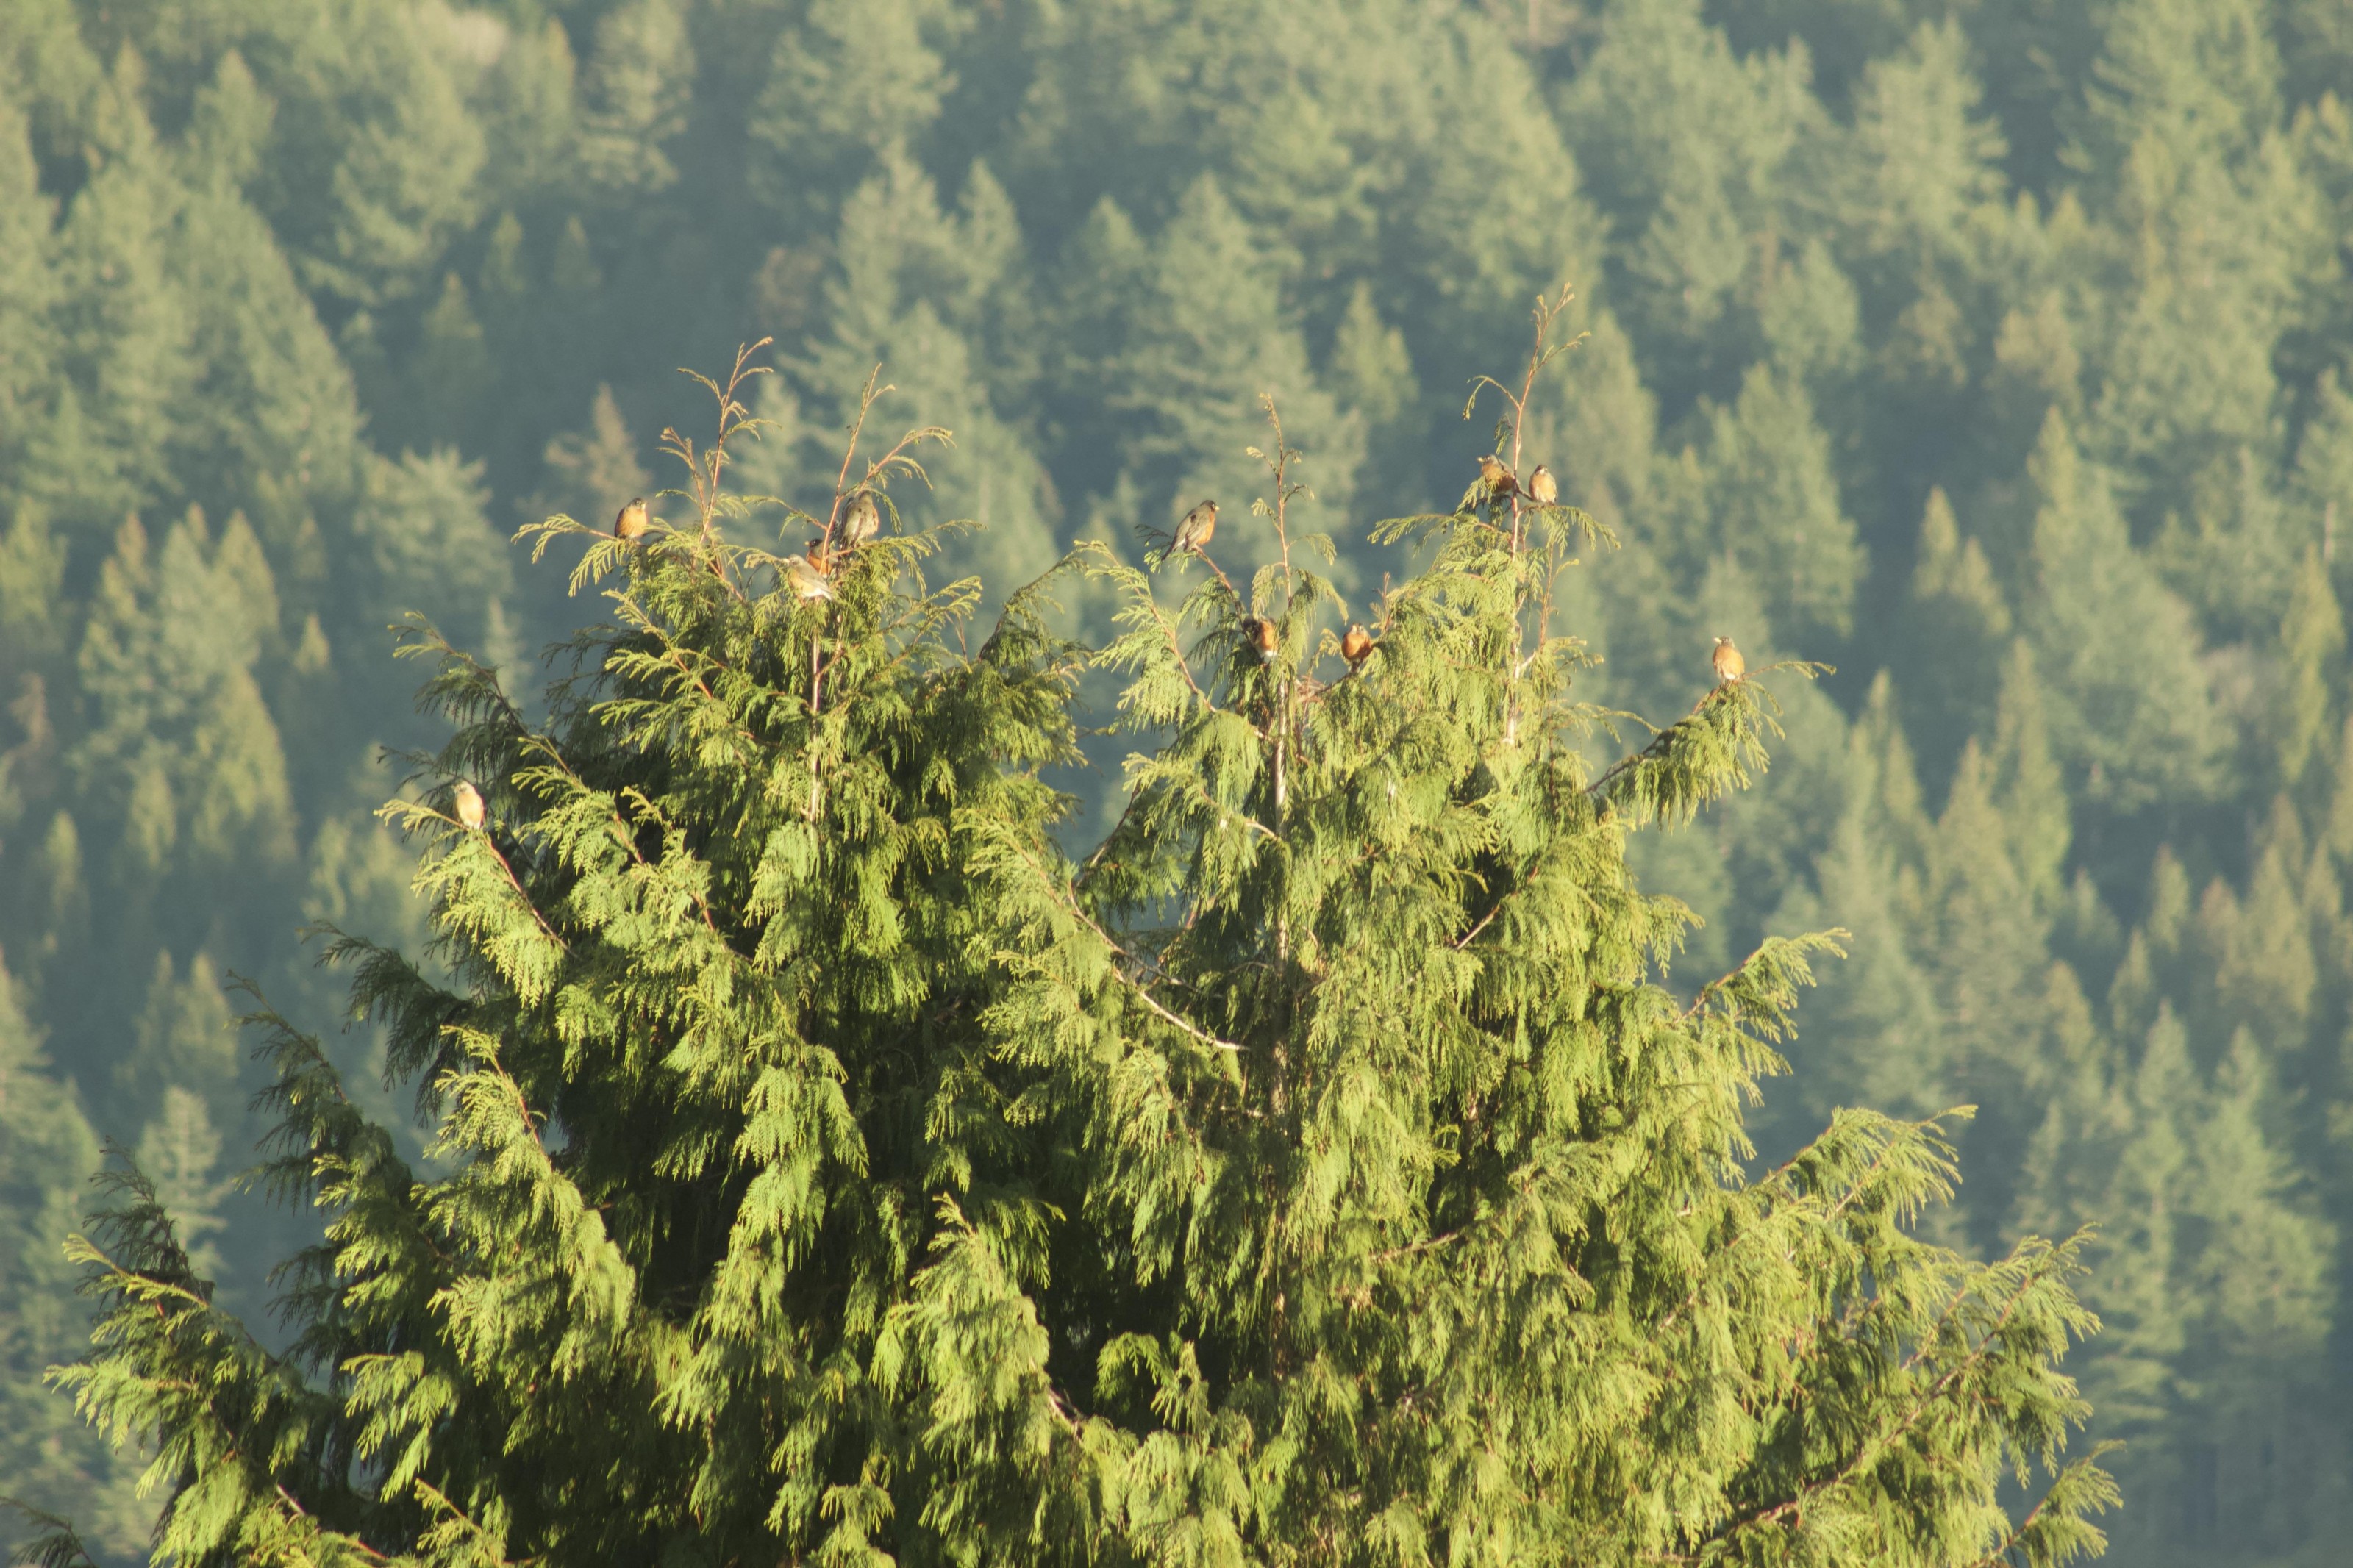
(1983, 367)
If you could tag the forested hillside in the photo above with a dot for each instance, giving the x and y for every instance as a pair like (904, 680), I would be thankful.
(1994, 351)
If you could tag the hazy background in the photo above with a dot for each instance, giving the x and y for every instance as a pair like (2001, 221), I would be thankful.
(1990, 350)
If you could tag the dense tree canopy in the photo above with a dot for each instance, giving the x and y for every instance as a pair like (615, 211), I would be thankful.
(825, 1164)
(1991, 351)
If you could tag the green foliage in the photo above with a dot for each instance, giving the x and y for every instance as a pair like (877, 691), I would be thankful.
(46, 1151)
(825, 1163)
(1992, 353)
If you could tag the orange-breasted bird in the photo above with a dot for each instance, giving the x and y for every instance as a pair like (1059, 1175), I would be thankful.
(1355, 645)
(808, 582)
(468, 803)
(631, 524)
(863, 521)
(1261, 633)
(1200, 526)
(1543, 489)
(1494, 476)
(1729, 666)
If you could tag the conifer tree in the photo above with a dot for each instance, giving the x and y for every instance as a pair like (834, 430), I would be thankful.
(1773, 507)
(1874, 1034)
(183, 1042)
(1957, 622)
(406, 157)
(228, 232)
(2311, 637)
(123, 318)
(1700, 195)
(826, 1165)
(1209, 339)
(848, 79)
(2115, 648)
(587, 466)
(47, 1148)
(428, 543)
(936, 292)
(26, 286)
(2179, 130)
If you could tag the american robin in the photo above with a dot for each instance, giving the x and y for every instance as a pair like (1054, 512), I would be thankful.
(1261, 633)
(1543, 489)
(808, 582)
(468, 802)
(631, 524)
(1494, 476)
(1729, 666)
(1355, 645)
(863, 521)
(1200, 526)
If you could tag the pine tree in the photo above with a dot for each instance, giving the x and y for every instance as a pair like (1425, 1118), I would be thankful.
(933, 292)
(405, 152)
(633, 97)
(849, 79)
(31, 598)
(2027, 788)
(429, 544)
(2258, 1301)
(528, 109)
(1772, 506)
(592, 472)
(2218, 229)
(2115, 648)
(2258, 968)
(274, 420)
(49, 1460)
(1874, 1036)
(2116, 1145)
(2006, 1009)
(1959, 622)
(452, 368)
(123, 317)
(1700, 196)
(1210, 339)
(184, 1041)
(1372, 370)
(180, 1151)
(1922, 168)
(27, 286)
(181, 743)
(1098, 276)
(2311, 638)
(827, 1164)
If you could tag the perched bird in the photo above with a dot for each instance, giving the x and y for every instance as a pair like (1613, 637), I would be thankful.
(631, 524)
(1494, 476)
(468, 802)
(1729, 666)
(1355, 645)
(863, 521)
(1261, 633)
(1543, 489)
(1200, 526)
(808, 582)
